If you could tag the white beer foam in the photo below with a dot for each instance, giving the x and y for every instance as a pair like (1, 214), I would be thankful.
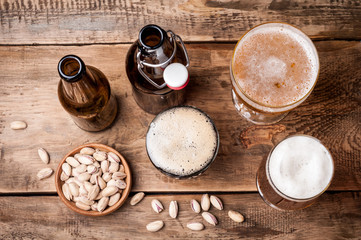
(272, 67)
(181, 141)
(300, 167)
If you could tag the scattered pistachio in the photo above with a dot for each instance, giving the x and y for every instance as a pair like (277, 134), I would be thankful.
(44, 156)
(205, 202)
(195, 226)
(137, 198)
(157, 206)
(210, 218)
(173, 209)
(18, 125)
(236, 216)
(155, 226)
(216, 202)
(44, 173)
(195, 206)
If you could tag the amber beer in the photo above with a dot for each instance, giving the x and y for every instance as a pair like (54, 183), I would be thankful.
(273, 69)
(297, 171)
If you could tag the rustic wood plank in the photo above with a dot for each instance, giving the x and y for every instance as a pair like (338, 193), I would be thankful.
(335, 216)
(93, 21)
(28, 83)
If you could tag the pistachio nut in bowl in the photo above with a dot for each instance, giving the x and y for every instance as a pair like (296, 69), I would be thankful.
(93, 179)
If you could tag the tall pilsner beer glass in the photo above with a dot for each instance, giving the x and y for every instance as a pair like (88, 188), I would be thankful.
(297, 171)
(274, 68)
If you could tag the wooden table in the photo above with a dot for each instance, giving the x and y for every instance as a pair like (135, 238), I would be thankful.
(34, 35)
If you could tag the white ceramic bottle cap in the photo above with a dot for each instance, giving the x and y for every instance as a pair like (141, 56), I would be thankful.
(176, 76)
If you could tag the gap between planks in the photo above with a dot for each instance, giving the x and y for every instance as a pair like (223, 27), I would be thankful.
(315, 39)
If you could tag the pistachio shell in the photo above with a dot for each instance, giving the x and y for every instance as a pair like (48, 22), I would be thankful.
(100, 155)
(157, 206)
(137, 198)
(63, 177)
(112, 157)
(195, 226)
(236, 216)
(103, 203)
(173, 209)
(119, 175)
(18, 125)
(114, 199)
(86, 159)
(195, 206)
(66, 191)
(81, 168)
(72, 162)
(87, 151)
(104, 166)
(155, 226)
(216, 202)
(84, 177)
(44, 173)
(210, 218)
(114, 167)
(109, 191)
(82, 206)
(74, 189)
(205, 202)
(44, 156)
(66, 168)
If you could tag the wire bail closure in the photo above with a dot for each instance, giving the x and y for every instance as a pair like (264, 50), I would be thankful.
(173, 38)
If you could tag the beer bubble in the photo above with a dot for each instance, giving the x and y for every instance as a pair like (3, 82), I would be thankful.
(183, 141)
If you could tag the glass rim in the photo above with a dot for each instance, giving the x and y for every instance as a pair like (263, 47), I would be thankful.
(293, 198)
(202, 169)
(281, 107)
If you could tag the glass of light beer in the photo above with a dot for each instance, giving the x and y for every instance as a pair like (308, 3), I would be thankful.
(274, 68)
(297, 171)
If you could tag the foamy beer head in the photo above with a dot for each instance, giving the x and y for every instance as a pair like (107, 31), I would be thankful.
(182, 142)
(300, 168)
(274, 66)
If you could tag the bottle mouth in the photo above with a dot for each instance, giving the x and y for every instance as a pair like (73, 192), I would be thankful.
(151, 37)
(71, 68)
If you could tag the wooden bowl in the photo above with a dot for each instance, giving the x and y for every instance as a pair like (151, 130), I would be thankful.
(70, 204)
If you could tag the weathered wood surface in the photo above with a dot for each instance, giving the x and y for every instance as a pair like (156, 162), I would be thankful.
(28, 91)
(334, 216)
(93, 21)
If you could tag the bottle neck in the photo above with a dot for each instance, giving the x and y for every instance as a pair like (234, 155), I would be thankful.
(77, 80)
(71, 68)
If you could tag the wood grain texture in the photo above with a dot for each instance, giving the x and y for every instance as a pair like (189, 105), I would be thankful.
(119, 21)
(28, 84)
(335, 216)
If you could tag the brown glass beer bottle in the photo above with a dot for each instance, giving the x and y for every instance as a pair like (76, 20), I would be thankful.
(158, 83)
(84, 92)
